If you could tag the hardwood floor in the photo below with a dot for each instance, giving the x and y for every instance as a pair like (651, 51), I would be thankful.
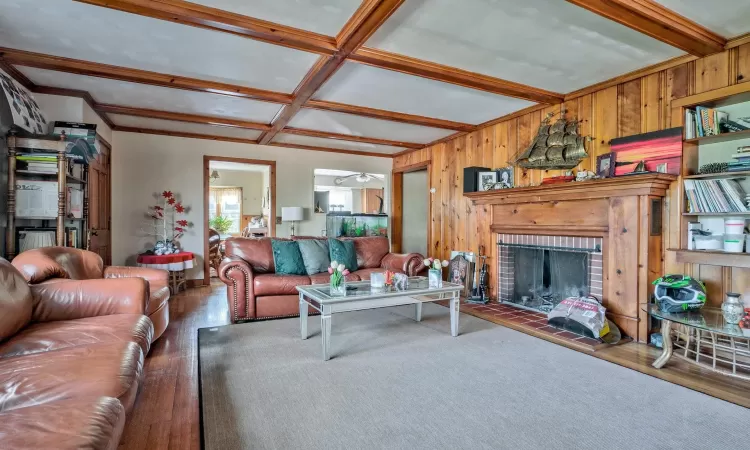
(166, 412)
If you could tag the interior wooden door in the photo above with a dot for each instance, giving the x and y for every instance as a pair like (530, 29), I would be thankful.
(99, 202)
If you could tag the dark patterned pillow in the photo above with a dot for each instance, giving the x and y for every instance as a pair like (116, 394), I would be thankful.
(287, 258)
(343, 253)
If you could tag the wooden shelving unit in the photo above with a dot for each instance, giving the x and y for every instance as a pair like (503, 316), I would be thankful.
(59, 147)
(719, 98)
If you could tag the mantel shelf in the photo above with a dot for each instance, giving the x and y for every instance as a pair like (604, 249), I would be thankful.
(648, 184)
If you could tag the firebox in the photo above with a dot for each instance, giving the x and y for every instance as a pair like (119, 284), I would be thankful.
(537, 272)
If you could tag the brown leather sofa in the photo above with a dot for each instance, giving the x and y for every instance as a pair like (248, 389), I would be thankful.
(71, 360)
(254, 291)
(49, 264)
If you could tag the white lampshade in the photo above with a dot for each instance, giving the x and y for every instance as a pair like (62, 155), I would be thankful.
(291, 213)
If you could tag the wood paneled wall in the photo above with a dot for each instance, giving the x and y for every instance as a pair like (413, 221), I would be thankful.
(635, 105)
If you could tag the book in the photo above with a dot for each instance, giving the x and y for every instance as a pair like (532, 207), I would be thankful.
(715, 196)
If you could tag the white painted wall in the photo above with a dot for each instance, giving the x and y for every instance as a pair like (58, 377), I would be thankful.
(144, 164)
(72, 109)
(415, 215)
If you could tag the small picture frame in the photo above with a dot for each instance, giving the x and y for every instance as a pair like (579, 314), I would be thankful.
(662, 168)
(486, 180)
(504, 178)
(605, 165)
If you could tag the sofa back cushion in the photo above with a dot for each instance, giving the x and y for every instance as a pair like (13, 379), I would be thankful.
(371, 250)
(287, 259)
(58, 262)
(15, 300)
(256, 251)
(342, 251)
(315, 254)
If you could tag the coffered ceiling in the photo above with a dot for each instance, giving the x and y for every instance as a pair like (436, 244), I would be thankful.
(369, 77)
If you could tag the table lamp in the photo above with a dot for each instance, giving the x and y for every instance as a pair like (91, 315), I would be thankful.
(291, 214)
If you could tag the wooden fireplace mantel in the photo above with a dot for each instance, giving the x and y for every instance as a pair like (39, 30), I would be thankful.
(626, 212)
(655, 184)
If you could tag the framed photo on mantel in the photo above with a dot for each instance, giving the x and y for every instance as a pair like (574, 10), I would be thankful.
(605, 165)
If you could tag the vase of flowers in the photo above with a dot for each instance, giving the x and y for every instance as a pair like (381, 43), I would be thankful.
(338, 278)
(435, 272)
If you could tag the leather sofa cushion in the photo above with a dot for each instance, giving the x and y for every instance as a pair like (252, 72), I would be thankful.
(272, 284)
(103, 370)
(90, 423)
(287, 259)
(56, 335)
(370, 251)
(325, 277)
(16, 304)
(278, 306)
(158, 297)
(257, 252)
(343, 253)
(315, 255)
(58, 262)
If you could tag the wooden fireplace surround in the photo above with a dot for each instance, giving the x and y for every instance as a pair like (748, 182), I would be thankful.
(627, 212)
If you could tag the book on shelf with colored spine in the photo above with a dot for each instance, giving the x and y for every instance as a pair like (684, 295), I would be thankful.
(715, 196)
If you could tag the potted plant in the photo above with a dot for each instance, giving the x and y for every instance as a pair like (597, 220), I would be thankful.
(338, 278)
(221, 224)
(435, 273)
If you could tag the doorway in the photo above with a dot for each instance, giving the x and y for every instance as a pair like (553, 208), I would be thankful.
(239, 200)
(412, 209)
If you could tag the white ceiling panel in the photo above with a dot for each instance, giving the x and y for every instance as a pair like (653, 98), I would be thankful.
(185, 127)
(75, 30)
(364, 126)
(333, 143)
(549, 44)
(363, 85)
(330, 16)
(729, 18)
(123, 93)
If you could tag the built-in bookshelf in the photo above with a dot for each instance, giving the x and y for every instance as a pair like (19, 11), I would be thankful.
(708, 198)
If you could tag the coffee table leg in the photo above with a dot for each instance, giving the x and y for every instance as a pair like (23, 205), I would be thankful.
(325, 332)
(303, 316)
(666, 337)
(455, 302)
(418, 312)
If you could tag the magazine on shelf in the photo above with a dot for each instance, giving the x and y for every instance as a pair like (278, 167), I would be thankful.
(715, 196)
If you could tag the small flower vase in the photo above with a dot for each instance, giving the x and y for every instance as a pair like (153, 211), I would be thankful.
(435, 278)
(732, 309)
(338, 288)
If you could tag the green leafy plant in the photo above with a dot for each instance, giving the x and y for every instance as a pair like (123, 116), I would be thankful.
(221, 224)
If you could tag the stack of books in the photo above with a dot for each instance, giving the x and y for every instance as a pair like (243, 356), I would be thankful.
(37, 162)
(741, 160)
(715, 196)
(702, 122)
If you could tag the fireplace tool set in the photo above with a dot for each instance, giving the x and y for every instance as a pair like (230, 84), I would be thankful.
(479, 292)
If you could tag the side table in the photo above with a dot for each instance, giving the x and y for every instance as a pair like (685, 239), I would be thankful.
(705, 339)
(175, 264)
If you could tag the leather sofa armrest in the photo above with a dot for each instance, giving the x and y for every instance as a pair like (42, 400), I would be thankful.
(155, 277)
(238, 275)
(408, 263)
(68, 300)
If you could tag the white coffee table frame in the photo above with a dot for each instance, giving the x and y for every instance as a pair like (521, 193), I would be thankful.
(317, 297)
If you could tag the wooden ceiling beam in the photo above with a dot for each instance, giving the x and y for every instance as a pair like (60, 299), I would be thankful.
(330, 150)
(182, 117)
(348, 137)
(387, 115)
(17, 75)
(663, 24)
(370, 15)
(79, 67)
(452, 75)
(219, 20)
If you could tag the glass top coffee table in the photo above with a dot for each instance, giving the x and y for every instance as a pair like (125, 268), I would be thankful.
(703, 337)
(363, 297)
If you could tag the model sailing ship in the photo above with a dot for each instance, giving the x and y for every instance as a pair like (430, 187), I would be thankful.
(556, 146)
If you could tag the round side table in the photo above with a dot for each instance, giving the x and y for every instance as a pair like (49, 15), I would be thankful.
(175, 264)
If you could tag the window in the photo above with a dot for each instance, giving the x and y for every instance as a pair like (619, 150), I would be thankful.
(340, 199)
(226, 202)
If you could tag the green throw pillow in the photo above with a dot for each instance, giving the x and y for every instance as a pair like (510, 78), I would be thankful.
(315, 254)
(343, 253)
(287, 258)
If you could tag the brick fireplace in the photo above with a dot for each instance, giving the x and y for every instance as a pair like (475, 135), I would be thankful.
(610, 229)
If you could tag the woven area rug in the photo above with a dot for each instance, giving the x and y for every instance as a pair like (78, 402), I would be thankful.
(393, 383)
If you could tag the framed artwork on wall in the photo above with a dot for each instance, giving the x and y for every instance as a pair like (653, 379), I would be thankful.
(605, 165)
(660, 151)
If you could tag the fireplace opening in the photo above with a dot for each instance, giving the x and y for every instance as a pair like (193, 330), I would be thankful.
(538, 277)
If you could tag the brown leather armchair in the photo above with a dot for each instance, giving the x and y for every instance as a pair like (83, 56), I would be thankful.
(44, 265)
(214, 249)
(71, 359)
